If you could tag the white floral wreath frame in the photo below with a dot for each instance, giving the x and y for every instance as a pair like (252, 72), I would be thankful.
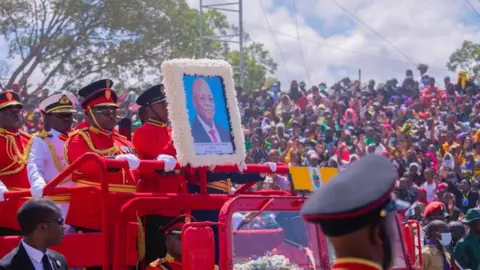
(173, 72)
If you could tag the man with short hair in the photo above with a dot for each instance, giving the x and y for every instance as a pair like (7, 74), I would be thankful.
(42, 226)
(204, 127)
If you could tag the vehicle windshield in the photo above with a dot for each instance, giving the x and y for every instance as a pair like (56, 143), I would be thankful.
(274, 240)
(399, 251)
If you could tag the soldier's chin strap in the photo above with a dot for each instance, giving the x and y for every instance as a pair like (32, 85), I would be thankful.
(96, 122)
(154, 112)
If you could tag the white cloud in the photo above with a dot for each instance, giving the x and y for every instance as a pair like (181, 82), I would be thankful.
(426, 31)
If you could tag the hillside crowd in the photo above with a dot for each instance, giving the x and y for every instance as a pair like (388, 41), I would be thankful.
(430, 129)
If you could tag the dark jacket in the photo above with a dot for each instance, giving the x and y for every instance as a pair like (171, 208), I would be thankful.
(200, 135)
(18, 259)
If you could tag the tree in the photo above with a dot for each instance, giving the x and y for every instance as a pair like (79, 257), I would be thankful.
(258, 63)
(467, 57)
(72, 40)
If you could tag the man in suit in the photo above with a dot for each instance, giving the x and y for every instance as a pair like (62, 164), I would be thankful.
(42, 226)
(204, 128)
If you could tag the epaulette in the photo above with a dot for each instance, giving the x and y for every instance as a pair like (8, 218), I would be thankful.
(119, 135)
(26, 135)
(77, 131)
(41, 134)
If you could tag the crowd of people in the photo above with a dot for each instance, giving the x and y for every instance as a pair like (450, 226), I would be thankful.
(429, 130)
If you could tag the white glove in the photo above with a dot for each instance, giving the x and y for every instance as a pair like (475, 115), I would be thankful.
(37, 190)
(168, 161)
(272, 166)
(133, 161)
(242, 166)
(3, 189)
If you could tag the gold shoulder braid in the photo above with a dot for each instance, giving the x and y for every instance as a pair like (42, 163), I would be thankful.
(13, 153)
(105, 152)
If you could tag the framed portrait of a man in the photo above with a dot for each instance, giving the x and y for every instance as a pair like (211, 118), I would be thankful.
(202, 105)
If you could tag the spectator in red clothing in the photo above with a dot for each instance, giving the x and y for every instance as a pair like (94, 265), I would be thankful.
(435, 211)
(431, 92)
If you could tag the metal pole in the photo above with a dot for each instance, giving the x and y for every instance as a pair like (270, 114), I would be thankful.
(240, 29)
(201, 28)
(360, 75)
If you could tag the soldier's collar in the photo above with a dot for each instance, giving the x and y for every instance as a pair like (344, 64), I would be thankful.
(100, 131)
(156, 123)
(169, 258)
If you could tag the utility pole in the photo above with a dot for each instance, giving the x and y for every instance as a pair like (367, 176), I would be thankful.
(226, 38)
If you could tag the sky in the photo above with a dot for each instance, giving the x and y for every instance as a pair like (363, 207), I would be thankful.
(331, 44)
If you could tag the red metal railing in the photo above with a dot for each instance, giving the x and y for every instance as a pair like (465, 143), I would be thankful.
(145, 166)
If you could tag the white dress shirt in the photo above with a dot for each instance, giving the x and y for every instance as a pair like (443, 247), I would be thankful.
(35, 256)
(41, 166)
(208, 128)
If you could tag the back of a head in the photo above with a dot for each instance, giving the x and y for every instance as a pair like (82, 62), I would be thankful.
(434, 226)
(33, 212)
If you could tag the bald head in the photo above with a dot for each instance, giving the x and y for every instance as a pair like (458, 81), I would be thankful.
(203, 101)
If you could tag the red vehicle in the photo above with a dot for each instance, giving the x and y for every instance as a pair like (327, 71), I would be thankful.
(116, 246)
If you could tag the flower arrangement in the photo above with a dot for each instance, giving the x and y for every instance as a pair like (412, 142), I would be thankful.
(268, 262)
(174, 72)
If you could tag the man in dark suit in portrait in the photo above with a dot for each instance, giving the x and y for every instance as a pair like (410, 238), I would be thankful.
(204, 129)
(42, 226)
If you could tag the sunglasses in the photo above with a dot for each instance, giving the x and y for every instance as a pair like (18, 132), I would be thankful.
(64, 116)
(106, 112)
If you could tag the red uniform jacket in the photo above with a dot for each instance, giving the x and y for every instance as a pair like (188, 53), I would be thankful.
(355, 264)
(166, 263)
(84, 208)
(151, 140)
(13, 173)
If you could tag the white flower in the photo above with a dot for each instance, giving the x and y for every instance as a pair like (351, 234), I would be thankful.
(268, 262)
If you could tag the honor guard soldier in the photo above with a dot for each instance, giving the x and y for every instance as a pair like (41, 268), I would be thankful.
(356, 211)
(153, 141)
(172, 232)
(100, 105)
(13, 173)
(45, 151)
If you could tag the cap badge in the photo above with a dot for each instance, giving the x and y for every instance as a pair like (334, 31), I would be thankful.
(108, 83)
(108, 94)
(64, 100)
(9, 95)
(162, 90)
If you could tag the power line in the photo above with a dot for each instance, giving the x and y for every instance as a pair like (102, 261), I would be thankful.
(298, 40)
(373, 30)
(473, 8)
(259, 27)
(275, 40)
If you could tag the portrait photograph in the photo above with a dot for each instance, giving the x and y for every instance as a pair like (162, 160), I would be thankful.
(203, 111)
(208, 115)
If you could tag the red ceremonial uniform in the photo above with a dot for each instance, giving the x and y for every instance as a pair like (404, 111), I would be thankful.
(151, 140)
(13, 172)
(355, 264)
(84, 208)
